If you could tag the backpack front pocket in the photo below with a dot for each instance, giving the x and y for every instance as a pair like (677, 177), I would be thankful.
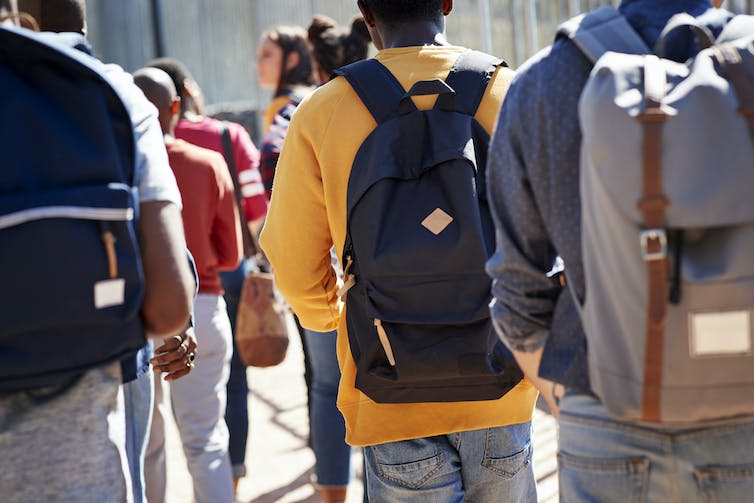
(409, 347)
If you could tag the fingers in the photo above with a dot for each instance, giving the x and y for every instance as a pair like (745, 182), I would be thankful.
(169, 344)
(167, 357)
(184, 371)
(175, 357)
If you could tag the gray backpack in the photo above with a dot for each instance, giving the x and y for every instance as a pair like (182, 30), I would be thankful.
(667, 200)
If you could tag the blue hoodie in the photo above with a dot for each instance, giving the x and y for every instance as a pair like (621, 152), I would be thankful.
(533, 172)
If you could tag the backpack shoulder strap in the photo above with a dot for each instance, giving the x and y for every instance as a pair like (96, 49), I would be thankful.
(469, 77)
(602, 30)
(378, 89)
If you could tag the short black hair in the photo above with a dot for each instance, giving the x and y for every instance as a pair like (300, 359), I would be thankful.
(57, 15)
(396, 11)
(175, 68)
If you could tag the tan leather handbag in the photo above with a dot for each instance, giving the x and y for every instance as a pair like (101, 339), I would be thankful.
(262, 320)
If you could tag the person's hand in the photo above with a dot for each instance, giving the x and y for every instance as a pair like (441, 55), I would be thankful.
(550, 391)
(175, 358)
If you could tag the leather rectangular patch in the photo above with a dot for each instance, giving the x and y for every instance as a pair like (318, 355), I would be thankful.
(720, 334)
(437, 221)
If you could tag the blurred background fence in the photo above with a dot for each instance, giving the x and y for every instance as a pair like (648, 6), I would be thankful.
(217, 39)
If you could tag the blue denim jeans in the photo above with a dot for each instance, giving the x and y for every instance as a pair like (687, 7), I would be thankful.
(603, 460)
(237, 409)
(138, 396)
(328, 429)
(481, 466)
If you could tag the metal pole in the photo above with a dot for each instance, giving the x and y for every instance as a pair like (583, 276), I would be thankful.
(574, 7)
(158, 28)
(533, 28)
(486, 17)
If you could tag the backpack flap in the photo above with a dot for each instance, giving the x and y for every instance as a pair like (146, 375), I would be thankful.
(702, 363)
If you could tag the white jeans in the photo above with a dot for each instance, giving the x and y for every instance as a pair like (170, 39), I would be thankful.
(199, 403)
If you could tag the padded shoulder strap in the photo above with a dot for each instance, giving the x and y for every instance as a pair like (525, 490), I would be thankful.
(469, 77)
(602, 30)
(739, 27)
(378, 89)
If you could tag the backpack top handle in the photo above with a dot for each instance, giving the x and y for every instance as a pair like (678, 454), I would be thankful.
(704, 37)
(425, 88)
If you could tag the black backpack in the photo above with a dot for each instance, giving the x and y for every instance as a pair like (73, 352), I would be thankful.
(419, 234)
(72, 281)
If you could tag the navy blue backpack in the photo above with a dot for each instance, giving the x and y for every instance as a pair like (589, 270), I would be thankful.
(418, 235)
(72, 281)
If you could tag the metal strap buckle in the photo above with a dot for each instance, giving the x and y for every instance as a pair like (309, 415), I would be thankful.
(653, 237)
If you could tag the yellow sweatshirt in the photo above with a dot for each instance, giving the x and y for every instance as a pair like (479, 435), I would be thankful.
(308, 215)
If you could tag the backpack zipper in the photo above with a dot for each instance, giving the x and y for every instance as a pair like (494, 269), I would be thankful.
(382, 334)
(112, 258)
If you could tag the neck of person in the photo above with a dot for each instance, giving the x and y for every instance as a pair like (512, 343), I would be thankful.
(415, 34)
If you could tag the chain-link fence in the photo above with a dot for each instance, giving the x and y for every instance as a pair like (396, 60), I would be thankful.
(217, 39)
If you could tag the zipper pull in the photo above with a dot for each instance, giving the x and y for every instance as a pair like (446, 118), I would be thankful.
(385, 341)
(112, 259)
(349, 280)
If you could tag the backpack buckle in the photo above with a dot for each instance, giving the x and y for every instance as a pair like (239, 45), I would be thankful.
(654, 244)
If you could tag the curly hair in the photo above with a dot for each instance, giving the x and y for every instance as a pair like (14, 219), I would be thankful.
(292, 39)
(396, 11)
(334, 46)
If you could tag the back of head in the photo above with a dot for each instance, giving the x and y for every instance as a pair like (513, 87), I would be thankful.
(57, 15)
(400, 11)
(175, 68)
(334, 46)
(292, 39)
(158, 87)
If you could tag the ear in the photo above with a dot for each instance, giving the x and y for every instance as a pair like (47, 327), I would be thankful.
(447, 7)
(292, 60)
(175, 106)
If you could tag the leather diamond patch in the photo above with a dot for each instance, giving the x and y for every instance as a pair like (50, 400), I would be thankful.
(437, 221)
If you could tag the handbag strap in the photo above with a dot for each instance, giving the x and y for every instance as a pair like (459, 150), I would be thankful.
(251, 246)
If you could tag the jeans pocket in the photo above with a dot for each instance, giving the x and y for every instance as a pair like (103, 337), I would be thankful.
(407, 463)
(723, 484)
(603, 480)
(508, 449)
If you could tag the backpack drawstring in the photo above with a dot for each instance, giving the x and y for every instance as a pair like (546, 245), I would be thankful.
(385, 342)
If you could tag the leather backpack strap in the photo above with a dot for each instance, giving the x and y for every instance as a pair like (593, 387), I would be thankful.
(653, 239)
(251, 247)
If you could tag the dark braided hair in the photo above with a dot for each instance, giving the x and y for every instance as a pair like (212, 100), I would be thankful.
(292, 39)
(334, 46)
